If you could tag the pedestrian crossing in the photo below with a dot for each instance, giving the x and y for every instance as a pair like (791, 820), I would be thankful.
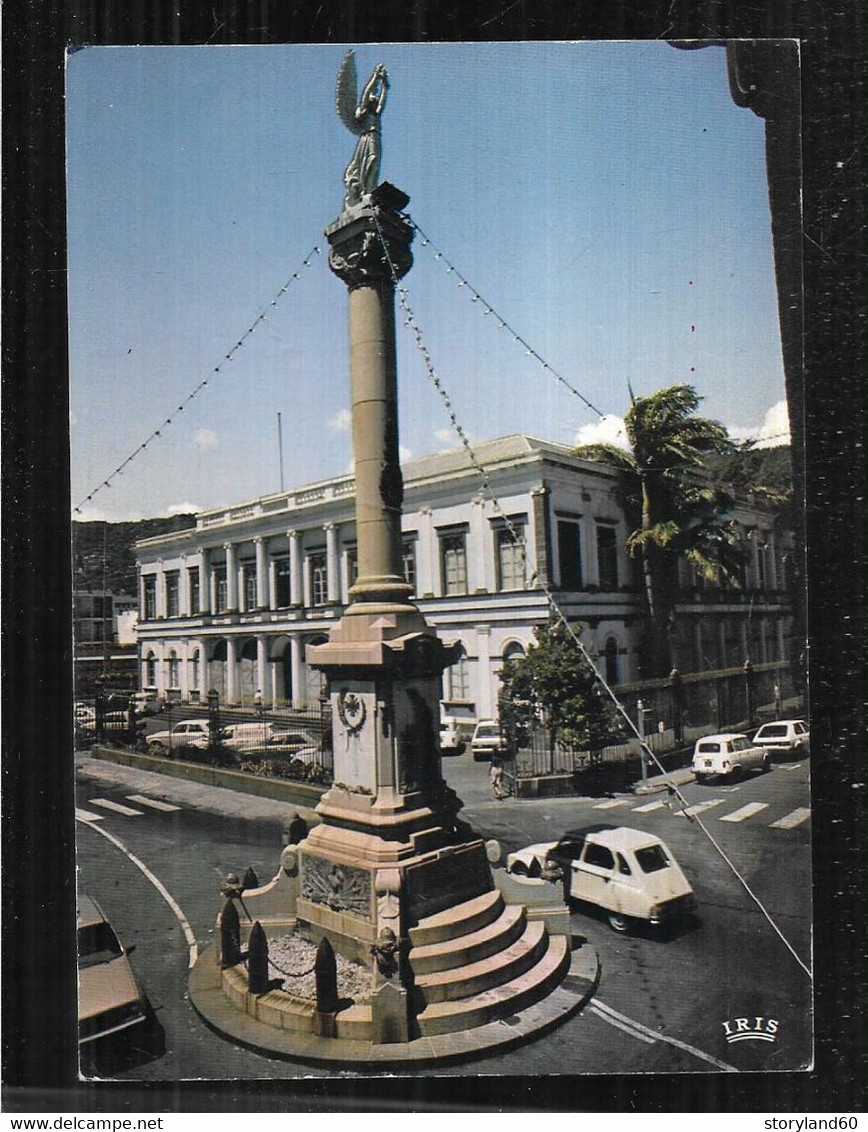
(111, 807)
(744, 813)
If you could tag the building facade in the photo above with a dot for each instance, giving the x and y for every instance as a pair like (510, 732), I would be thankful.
(232, 604)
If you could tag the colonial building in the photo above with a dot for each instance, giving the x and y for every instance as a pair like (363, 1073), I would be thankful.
(232, 603)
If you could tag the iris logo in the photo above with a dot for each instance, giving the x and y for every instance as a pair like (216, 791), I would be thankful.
(751, 1030)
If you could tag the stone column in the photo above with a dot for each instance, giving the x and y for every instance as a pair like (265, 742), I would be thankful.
(262, 601)
(333, 565)
(483, 695)
(426, 556)
(272, 584)
(262, 665)
(184, 589)
(476, 556)
(295, 588)
(205, 605)
(161, 589)
(231, 577)
(296, 657)
(542, 533)
(231, 671)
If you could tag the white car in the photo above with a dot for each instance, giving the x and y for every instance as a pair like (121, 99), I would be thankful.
(791, 735)
(486, 740)
(145, 703)
(187, 733)
(451, 738)
(725, 756)
(265, 733)
(630, 874)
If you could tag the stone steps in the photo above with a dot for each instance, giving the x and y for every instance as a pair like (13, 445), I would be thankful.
(460, 920)
(501, 1001)
(485, 974)
(475, 945)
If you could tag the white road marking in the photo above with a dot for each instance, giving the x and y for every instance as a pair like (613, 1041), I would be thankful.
(161, 888)
(611, 805)
(621, 1025)
(699, 808)
(116, 807)
(746, 812)
(613, 1017)
(154, 803)
(648, 807)
(86, 815)
(789, 766)
(790, 821)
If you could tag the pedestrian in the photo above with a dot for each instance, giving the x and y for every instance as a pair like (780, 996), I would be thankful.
(497, 777)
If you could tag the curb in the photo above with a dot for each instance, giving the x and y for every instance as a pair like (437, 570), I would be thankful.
(218, 1013)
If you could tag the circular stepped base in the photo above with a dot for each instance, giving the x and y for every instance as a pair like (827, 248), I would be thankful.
(215, 1008)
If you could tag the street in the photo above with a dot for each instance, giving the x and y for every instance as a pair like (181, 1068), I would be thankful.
(662, 1001)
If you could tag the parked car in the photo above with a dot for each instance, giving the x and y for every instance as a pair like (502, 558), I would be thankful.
(726, 756)
(486, 740)
(451, 738)
(110, 999)
(82, 713)
(266, 733)
(187, 733)
(630, 874)
(112, 721)
(790, 735)
(146, 703)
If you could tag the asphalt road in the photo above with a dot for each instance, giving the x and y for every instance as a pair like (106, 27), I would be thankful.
(661, 1004)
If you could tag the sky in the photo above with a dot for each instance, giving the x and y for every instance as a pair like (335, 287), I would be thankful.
(605, 203)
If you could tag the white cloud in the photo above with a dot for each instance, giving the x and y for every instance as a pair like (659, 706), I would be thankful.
(206, 438)
(450, 441)
(182, 508)
(340, 422)
(774, 430)
(609, 429)
(404, 454)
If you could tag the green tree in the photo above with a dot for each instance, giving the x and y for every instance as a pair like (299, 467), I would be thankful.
(674, 509)
(554, 682)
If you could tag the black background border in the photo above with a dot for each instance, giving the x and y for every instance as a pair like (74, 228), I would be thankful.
(39, 1046)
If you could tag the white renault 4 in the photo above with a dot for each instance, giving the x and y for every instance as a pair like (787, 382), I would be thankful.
(630, 874)
(725, 756)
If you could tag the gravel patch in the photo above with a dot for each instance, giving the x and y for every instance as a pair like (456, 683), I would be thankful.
(291, 953)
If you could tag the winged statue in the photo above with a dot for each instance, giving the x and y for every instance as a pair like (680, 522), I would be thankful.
(361, 116)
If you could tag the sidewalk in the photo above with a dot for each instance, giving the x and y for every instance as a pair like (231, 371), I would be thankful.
(212, 799)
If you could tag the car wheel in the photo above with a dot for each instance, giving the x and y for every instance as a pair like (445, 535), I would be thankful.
(701, 779)
(156, 749)
(618, 922)
(767, 764)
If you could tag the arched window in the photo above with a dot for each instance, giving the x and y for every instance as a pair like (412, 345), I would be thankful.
(611, 657)
(174, 670)
(194, 670)
(459, 679)
(151, 670)
(513, 651)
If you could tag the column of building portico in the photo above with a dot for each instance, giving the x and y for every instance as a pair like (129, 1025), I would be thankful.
(476, 556)
(333, 572)
(271, 592)
(426, 559)
(295, 589)
(262, 682)
(484, 701)
(184, 589)
(231, 671)
(262, 579)
(231, 577)
(161, 589)
(296, 658)
(205, 605)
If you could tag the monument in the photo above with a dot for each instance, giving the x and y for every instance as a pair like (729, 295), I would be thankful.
(390, 876)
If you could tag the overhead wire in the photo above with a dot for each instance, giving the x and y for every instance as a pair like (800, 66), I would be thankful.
(556, 612)
(227, 357)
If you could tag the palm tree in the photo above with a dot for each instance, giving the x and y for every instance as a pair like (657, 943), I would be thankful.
(675, 511)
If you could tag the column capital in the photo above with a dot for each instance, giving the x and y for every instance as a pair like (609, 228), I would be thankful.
(370, 244)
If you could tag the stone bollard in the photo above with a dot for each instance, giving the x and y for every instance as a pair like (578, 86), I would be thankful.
(230, 936)
(257, 960)
(326, 972)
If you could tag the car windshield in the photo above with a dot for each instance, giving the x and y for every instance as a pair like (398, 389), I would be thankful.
(652, 858)
(773, 731)
(97, 943)
(487, 732)
(740, 744)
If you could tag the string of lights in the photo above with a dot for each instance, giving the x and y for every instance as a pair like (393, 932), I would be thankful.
(556, 613)
(502, 324)
(227, 357)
